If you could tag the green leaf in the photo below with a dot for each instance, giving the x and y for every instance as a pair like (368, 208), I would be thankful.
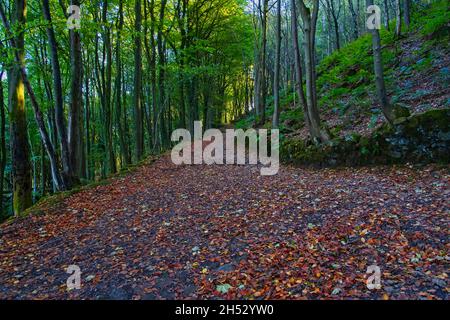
(224, 288)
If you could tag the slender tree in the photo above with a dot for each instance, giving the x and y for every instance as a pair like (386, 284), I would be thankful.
(398, 23)
(298, 62)
(118, 88)
(354, 20)
(76, 119)
(138, 120)
(407, 12)
(386, 12)
(379, 73)
(276, 86)
(2, 143)
(263, 62)
(309, 17)
(58, 96)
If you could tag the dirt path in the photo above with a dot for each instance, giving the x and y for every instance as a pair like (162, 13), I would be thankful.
(166, 232)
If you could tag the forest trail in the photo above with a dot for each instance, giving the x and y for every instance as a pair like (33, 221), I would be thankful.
(165, 232)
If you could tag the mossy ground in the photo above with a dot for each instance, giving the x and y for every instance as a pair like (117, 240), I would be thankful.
(423, 138)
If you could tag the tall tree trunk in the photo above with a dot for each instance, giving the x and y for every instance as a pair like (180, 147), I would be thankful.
(309, 29)
(2, 146)
(386, 10)
(276, 86)
(298, 63)
(398, 23)
(76, 103)
(263, 80)
(20, 148)
(379, 74)
(354, 20)
(87, 119)
(161, 76)
(138, 119)
(58, 95)
(148, 89)
(406, 12)
(181, 16)
(335, 23)
(153, 74)
(118, 89)
(108, 128)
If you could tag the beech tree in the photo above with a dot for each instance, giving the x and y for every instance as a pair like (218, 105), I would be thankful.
(20, 150)
(379, 73)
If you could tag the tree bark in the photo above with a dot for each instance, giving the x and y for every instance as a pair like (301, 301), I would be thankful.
(387, 18)
(153, 74)
(76, 104)
(138, 121)
(263, 70)
(379, 73)
(2, 146)
(108, 125)
(298, 63)
(276, 86)
(161, 78)
(406, 12)
(118, 89)
(58, 96)
(20, 148)
(354, 20)
(309, 28)
(398, 23)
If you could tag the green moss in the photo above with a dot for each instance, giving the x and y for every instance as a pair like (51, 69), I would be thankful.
(433, 22)
(422, 138)
(401, 111)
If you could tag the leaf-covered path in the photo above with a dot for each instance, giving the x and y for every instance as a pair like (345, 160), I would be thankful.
(166, 232)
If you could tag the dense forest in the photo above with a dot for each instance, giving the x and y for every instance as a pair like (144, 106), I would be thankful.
(85, 98)
(105, 95)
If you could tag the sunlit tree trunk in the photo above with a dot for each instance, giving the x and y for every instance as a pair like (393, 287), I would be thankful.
(20, 149)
